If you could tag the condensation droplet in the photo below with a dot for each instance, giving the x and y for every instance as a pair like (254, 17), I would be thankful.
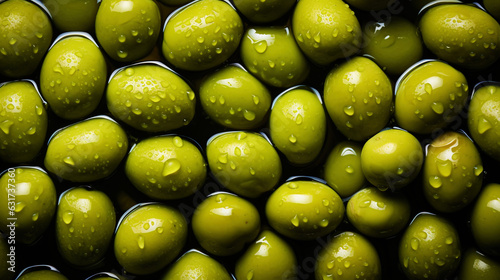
(69, 161)
(68, 217)
(295, 221)
(483, 125)
(260, 46)
(437, 107)
(171, 166)
(444, 167)
(435, 182)
(414, 243)
(140, 242)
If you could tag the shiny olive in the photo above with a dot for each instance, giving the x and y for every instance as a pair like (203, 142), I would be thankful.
(430, 97)
(475, 265)
(73, 15)
(42, 275)
(23, 122)
(429, 248)
(224, 223)
(298, 125)
(484, 220)
(196, 265)
(304, 210)
(348, 255)
(263, 11)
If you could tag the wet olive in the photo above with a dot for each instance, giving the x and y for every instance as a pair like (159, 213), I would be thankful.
(73, 15)
(42, 275)
(484, 220)
(475, 265)
(196, 265)
(259, 11)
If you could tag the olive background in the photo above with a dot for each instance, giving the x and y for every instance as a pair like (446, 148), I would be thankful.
(124, 195)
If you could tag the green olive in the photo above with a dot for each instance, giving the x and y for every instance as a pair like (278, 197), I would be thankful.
(484, 119)
(149, 237)
(127, 29)
(268, 249)
(5, 261)
(461, 34)
(430, 97)
(196, 265)
(201, 35)
(475, 265)
(245, 163)
(272, 55)
(259, 11)
(73, 77)
(391, 159)
(453, 172)
(234, 98)
(378, 214)
(304, 210)
(26, 36)
(42, 275)
(342, 169)
(484, 220)
(358, 97)
(85, 224)
(73, 15)
(369, 5)
(224, 223)
(86, 151)
(326, 30)
(298, 125)
(166, 167)
(23, 122)
(493, 7)
(29, 196)
(348, 256)
(429, 248)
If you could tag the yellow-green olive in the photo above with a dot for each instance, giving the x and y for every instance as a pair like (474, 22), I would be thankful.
(484, 220)
(475, 265)
(73, 15)
(263, 11)
(196, 265)
(42, 275)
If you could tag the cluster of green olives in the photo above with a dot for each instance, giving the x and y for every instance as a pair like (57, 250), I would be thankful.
(247, 140)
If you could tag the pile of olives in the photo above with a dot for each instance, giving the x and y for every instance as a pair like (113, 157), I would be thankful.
(258, 139)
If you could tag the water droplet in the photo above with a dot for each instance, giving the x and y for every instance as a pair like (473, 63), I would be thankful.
(222, 100)
(260, 46)
(317, 37)
(428, 88)
(295, 221)
(292, 186)
(68, 217)
(5, 126)
(249, 115)
(349, 169)
(146, 226)
(478, 169)
(71, 229)
(444, 167)
(435, 182)
(440, 262)
(349, 110)
(400, 171)
(437, 107)
(347, 264)
(121, 54)
(34, 217)
(223, 158)
(483, 125)
(122, 38)
(137, 111)
(12, 41)
(38, 110)
(449, 240)
(414, 243)
(19, 206)
(250, 275)
(323, 223)
(124, 250)
(69, 161)
(292, 139)
(140, 242)
(339, 271)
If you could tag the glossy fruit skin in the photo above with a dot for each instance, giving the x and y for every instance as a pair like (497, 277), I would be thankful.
(272, 55)
(35, 202)
(348, 255)
(166, 167)
(22, 51)
(430, 97)
(452, 172)
(73, 77)
(429, 248)
(298, 125)
(336, 36)
(73, 15)
(475, 265)
(342, 169)
(391, 159)
(358, 98)
(197, 45)
(196, 265)
(149, 238)
(395, 45)
(86, 151)
(42, 275)
(304, 210)
(268, 249)
(484, 220)
(484, 119)
(378, 214)
(234, 98)
(263, 12)
(471, 42)
(244, 162)
(367, 5)
(224, 223)
(85, 224)
(23, 122)
(127, 29)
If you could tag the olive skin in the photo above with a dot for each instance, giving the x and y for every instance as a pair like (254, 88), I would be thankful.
(86, 151)
(326, 30)
(127, 29)
(298, 125)
(166, 167)
(429, 248)
(42, 275)
(348, 255)
(430, 97)
(35, 202)
(358, 98)
(149, 238)
(234, 98)
(73, 77)
(224, 223)
(268, 249)
(202, 35)
(263, 12)
(304, 210)
(391, 159)
(73, 15)
(452, 172)
(85, 223)
(196, 265)
(469, 42)
(23, 122)
(26, 36)
(245, 163)
(378, 214)
(475, 265)
(484, 119)
(272, 55)
(484, 220)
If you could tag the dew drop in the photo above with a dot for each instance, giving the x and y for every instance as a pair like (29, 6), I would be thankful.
(437, 107)
(299, 119)
(435, 182)
(349, 110)
(260, 46)
(5, 126)
(293, 186)
(122, 38)
(140, 242)
(256, 100)
(250, 275)
(292, 139)
(414, 243)
(249, 115)
(34, 217)
(19, 207)
(483, 125)
(68, 217)
(171, 166)
(349, 169)
(178, 141)
(121, 54)
(323, 223)
(223, 158)
(428, 88)
(326, 202)
(69, 161)
(38, 110)
(137, 111)
(295, 221)
(478, 169)
(444, 167)
(449, 240)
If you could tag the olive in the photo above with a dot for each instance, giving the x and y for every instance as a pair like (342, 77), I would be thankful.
(475, 265)
(42, 275)
(259, 11)
(73, 15)
(484, 220)
(196, 265)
